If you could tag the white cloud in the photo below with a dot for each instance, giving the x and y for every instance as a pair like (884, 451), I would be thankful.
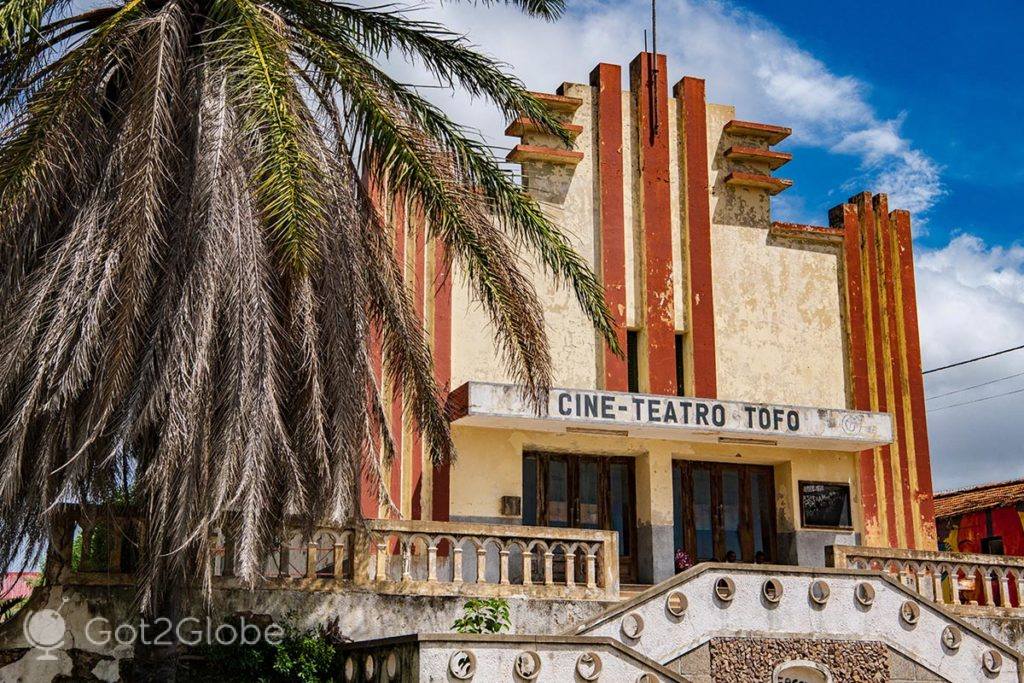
(971, 302)
(747, 61)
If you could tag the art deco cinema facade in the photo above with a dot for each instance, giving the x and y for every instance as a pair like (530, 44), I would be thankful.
(770, 402)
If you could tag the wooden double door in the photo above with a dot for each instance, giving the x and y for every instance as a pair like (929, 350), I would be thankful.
(724, 512)
(583, 492)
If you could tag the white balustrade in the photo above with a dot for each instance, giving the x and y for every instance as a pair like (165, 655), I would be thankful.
(402, 557)
(965, 582)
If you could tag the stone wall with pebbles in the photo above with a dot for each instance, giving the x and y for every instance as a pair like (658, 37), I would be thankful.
(754, 659)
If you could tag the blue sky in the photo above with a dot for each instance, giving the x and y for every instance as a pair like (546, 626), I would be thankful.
(920, 101)
(953, 72)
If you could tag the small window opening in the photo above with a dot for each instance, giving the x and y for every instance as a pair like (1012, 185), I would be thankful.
(632, 361)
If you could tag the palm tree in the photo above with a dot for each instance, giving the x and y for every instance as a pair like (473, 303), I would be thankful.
(193, 267)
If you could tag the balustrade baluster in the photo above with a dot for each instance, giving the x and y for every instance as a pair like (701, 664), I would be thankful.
(954, 582)
(382, 559)
(432, 561)
(570, 569)
(406, 545)
(938, 594)
(987, 585)
(481, 564)
(339, 561)
(503, 569)
(591, 570)
(1020, 588)
(1004, 590)
(457, 563)
(312, 557)
(527, 568)
(549, 579)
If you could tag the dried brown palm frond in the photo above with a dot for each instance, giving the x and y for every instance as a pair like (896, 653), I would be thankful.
(191, 268)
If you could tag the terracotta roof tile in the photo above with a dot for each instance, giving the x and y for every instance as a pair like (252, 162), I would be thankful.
(984, 497)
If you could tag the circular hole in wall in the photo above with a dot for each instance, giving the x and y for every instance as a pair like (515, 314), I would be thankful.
(819, 592)
(462, 665)
(588, 666)
(725, 589)
(910, 613)
(632, 625)
(992, 661)
(865, 593)
(647, 678)
(527, 665)
(369, 668)
(676, 603)
(350, 670)
(771, 589)
(952, 637)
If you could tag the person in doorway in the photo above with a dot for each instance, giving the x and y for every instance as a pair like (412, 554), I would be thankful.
(730, 556)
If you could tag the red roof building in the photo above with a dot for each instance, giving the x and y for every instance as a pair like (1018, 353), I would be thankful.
(982, 519)
(18, 585)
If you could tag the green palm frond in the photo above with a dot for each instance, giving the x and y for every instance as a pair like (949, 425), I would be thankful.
(21, 18)
(198, 284)
(549, 9)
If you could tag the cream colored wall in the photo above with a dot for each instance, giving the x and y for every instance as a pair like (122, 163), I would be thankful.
(778, 317)
(566, 195)
(631, 211)
(490, 466)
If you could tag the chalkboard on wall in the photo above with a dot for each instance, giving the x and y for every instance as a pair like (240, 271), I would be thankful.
(825, 504)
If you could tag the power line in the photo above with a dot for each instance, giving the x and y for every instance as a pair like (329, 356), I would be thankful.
(976, 386)
(977, 400)
(971, 360)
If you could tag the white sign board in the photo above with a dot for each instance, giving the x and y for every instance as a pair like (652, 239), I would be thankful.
(672, 417)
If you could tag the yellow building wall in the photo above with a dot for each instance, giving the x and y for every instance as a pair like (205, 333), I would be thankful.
(778, 305)
(491, 460)
(565, 194)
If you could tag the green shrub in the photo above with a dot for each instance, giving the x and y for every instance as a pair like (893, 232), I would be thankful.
(303, 655)
(483, 616)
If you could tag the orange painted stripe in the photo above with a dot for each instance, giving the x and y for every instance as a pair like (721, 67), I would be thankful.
(419, 301)
(659, 324)
(845, 217)
(877, 360)
(441, 487)
(698, 236)
(369, 503)
(607, 78)
(915, 380)
(398, 221)
(888, 270)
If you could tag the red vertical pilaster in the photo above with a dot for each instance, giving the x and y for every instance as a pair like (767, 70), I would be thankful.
(874, 290)
(398, 220)
(915, 380)
(651, 96)
(442, 333)
(845, 216)
(419, 293)
(894, 354)
(607, 78)
(697, 228)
